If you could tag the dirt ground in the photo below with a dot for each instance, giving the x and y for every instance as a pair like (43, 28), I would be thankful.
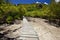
(44, 30)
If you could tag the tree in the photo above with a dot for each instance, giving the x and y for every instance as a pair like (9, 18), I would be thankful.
(7, 1)
(55, 10)
(2, 1)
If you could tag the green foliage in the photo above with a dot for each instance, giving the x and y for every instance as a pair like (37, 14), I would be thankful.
(10, 12)
(9, 19)
(55, 9)
(38, 12)
(2, 1)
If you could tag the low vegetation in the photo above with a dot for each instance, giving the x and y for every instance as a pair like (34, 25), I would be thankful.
(9, 13)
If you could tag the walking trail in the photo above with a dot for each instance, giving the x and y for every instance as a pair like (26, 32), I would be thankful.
(45, 31)
(35, 29)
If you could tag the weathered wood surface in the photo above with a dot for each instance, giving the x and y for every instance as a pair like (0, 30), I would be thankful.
(27, 32)
(18, 32)
(44, 30)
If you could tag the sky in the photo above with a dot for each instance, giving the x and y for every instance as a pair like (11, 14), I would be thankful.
(57, 0)
(28, 1)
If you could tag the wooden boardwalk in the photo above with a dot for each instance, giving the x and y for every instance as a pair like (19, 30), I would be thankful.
(27, 32)
(24, 32)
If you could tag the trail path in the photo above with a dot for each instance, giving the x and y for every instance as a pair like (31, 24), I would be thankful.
(27, 32)
(35, 29)
(45, 31)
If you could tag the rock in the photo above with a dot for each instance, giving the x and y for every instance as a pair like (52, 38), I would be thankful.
(17, 21)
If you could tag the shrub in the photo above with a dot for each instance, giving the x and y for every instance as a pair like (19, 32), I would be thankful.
(9, 19)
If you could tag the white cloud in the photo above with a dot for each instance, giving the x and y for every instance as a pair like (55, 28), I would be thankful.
(57, 0)
(37, 2)
(46, 3)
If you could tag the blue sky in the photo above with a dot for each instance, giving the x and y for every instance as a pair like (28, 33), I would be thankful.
(27, 1)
